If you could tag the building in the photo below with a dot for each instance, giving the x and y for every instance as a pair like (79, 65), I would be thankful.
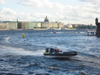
(46, 19)
(3, 25)
(45, 25)
(8, 25)
(70, 26)
(60, 25)
(39, 25)
(27, 25)
(51, 25)
(31, 25)
(11, 25)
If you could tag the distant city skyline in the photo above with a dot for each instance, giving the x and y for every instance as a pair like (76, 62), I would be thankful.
(65, 11)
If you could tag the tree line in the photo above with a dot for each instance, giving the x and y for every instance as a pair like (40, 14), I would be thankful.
(85, 27)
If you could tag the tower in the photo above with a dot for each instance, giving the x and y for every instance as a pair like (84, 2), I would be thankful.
(97, 28)
(17, 20)
(96, 21)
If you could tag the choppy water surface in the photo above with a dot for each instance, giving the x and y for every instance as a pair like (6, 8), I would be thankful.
(24, 56)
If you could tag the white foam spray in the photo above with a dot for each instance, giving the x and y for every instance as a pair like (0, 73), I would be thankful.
(7, 39)
(4, 50)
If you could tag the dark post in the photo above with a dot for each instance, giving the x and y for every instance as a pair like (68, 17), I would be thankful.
(97, 28)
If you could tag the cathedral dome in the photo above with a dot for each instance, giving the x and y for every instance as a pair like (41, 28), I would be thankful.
(46, 19)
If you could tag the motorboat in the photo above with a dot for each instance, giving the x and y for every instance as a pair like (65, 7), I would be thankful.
(56, 53)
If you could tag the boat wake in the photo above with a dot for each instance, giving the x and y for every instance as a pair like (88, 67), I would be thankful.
(88, 58)
(4, 50)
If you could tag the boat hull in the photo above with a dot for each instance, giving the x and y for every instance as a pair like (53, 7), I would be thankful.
(48, 56)
(59, 55)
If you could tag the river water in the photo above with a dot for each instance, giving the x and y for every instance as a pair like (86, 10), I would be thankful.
(24, 56)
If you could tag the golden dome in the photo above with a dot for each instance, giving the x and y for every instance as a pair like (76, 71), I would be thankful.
(46, 19)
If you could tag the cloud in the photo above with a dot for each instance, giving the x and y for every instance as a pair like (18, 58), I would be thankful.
(55, 11)
(91, 1)
(35, 3)
(2, 2)
(41, 4)
(7, 14)
(62, 12)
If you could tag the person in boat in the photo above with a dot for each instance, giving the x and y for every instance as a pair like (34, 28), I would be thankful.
(50, 50)
(57, 49)
(47, 51)
(53, 50)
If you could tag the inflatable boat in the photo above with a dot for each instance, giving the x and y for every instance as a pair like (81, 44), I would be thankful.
(56, 53)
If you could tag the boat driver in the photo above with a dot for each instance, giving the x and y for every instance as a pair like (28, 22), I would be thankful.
(51, 50)
(57, 49)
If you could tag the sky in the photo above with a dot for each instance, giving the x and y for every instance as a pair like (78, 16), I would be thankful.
(65, 11)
